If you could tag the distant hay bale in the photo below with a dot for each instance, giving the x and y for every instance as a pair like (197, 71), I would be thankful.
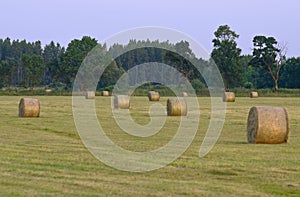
(48, 90)
(184, 94)
(153, 96)
(228, 97)
(254, 95)
(105, 93)
(29, 107)
(90, 95)
(176, 107)
(121, 102)
(267, 125)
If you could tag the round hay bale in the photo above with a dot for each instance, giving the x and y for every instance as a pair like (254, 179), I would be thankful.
(90, 95)
(228, 97)
(176, 107)
(267, 125)
(29, 107)
(48, 91)
(121, 102)
(184, 94)
(254, 95)
(105, 93)
(153, 96)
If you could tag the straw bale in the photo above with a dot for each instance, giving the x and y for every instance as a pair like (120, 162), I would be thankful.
(267, 125)
(176, 107)
(153, 96)
(121, 101)
(228, 97)
(90, 95)
(29, 107)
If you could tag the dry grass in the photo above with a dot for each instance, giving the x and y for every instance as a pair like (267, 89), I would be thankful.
(45, 156)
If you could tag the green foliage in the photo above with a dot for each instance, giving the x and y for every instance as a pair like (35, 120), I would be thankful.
(12, 53)
(111, 75)
(145, 88)
(268, 56)
(34, 67)
(226, 55)
(75, 53)
(290, 73)
(56, 85)
(265, 52)
(52, 57)
(5, 71)
(27, 64)
(266, 92)
(197, 85)
(248, 85)
(181, 60)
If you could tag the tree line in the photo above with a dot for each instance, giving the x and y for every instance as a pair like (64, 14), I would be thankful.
(29, 65)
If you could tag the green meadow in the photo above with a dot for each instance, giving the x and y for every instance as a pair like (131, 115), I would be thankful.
(45, 156)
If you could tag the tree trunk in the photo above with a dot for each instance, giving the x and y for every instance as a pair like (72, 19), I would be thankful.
(276, 86)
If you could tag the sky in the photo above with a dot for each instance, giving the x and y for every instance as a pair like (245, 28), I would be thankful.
(65, 20)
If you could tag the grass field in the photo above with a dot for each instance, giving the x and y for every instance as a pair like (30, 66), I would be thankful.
(45, 156)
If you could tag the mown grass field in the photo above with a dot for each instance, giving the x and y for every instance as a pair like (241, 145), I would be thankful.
(45, 156)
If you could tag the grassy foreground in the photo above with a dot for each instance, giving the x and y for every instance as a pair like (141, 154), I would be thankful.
(45, 156)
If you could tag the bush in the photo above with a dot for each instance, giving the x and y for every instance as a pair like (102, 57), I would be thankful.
(198, 85)
(248, 85)
(57, 86)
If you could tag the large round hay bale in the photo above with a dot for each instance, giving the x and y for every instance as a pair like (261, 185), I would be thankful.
(176, 107)
(153, 96)
(184, 94)
(228, 97)
(90, 95)
(254, 95)
(121, 101)
(105, 93)
(267, 125)
(29, 107)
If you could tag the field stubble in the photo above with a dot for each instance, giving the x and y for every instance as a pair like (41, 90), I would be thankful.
(45, 156)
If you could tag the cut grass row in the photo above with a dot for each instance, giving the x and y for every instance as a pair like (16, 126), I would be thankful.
(45, 156)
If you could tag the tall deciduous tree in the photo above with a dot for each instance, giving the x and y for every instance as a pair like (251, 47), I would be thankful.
(184, 66)
(75, 53)
(269, 55)
(180, 61)
(226, 55)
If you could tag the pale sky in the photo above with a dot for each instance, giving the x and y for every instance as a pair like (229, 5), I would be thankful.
(64, 20)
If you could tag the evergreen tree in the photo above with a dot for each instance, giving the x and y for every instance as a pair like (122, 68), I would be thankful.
(269, 56)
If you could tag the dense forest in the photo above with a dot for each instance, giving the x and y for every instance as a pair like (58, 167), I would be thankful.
(29, 64)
